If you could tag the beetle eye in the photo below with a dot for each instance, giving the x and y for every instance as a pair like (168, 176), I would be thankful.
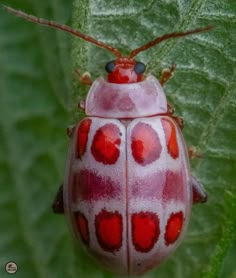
(110, 66)
(139, 68)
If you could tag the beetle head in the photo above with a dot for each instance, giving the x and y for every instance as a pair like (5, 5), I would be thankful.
(124, 70)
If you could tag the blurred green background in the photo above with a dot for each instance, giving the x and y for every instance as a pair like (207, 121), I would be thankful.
(38, 88)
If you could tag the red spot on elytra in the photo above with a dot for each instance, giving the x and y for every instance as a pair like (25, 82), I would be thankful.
(82, 137)
(109, 230)
(82, 225)
(145, 230)
(171, 138)
(145, 145)
(106, 143)
(173, 227)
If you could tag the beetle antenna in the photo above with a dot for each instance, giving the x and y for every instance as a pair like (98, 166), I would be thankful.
(166, 37)
(65, 28)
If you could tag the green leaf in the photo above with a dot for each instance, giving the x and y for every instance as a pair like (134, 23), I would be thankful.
(228, 236)
(36, 74)
(34, 78)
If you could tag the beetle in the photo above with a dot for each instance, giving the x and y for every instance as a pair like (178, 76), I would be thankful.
(128, 190)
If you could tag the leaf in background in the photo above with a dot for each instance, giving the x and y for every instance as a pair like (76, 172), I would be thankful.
(34, 80)
(34, 73)
(228, 236)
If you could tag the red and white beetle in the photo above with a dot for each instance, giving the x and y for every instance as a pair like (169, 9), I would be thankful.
(128, 190)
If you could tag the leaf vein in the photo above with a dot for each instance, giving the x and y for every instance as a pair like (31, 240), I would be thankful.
(217, 115)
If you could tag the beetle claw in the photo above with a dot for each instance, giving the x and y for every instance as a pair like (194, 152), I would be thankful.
(58, 203)
(167, 74)
(85, 78)
(199, 193)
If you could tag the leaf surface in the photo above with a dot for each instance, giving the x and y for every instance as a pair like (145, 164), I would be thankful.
(35, 78)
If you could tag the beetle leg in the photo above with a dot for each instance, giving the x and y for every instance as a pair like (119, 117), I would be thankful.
(179, 121)
(58, 203)
(85, 78)
(192, 153)
(70, 130)
(170, 109)
(199, 193)
(81, 105)
(167, 74)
